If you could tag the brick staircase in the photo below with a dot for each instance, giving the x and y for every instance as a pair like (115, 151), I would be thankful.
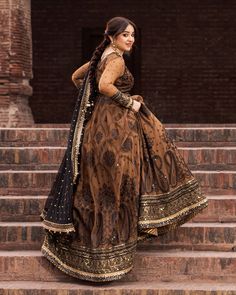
(198, 258)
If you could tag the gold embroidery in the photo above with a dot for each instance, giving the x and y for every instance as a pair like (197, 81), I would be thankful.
(148, 234)
(107, 265)
(81, 274)
(159, 222)
(56, 227)
(79, 128)
(190, 182)
(159, 211)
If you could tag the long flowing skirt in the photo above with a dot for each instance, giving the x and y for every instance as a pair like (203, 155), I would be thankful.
(134, 185)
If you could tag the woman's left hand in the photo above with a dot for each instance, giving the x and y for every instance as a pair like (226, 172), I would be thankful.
(136, 105)
(137, 97)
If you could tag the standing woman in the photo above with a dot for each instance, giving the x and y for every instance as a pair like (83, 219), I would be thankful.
(122, 180)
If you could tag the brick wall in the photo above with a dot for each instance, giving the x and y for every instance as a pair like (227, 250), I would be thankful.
(188, 65)
(15, 63)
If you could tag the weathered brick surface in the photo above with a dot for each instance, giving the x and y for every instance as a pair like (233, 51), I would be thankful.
(37, 158)
(223, 158)
(210, 235)
(16, 63)
(213, 180)
(220, 209)
(20, 236)
(21, 208)
(116, 288)
(26, 182)
(31, 182)
(200, 236)
(150, 266)
(191, 236)
(33, 136)
(31, 158)
(57, 136)
(203, 136)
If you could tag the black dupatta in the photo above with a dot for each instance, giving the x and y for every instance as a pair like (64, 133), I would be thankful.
(57, 215)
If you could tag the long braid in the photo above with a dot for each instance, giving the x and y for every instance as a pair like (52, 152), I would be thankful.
(94, 61)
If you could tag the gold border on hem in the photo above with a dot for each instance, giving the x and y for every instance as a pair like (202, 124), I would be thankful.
(189, 184)
(181, 212)
(81, 274)
(56, 227)
(150, 233)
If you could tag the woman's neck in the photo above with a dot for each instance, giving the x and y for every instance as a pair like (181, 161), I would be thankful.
(117, 50)
(110, 49)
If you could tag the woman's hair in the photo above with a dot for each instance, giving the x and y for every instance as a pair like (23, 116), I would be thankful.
(114, 27)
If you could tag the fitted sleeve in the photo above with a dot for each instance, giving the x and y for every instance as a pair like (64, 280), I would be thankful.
(114, 69)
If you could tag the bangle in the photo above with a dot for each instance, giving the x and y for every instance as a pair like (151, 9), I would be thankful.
(123, 99)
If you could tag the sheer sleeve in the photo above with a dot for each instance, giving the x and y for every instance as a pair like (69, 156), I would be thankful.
(78, 75)
(114, 69)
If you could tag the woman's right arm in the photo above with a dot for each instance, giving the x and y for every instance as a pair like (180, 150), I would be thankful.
(78, 75)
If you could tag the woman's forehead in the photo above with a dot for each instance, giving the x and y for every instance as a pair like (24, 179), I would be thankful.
(129, 29)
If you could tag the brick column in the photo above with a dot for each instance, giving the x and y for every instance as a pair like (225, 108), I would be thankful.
(15, 63)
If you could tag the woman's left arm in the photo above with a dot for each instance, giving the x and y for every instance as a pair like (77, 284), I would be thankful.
(78, 75)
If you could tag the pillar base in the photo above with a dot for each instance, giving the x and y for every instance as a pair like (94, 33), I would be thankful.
(15, 112)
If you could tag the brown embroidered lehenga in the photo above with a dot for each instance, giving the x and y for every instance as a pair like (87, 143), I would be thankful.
(133, 185)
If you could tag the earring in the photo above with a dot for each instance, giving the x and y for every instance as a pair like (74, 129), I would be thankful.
(113, 45)
(115, 48)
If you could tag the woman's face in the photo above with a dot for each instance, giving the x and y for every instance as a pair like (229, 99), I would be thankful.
(124, 41)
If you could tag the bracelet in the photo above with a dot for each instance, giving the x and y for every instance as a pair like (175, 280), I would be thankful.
(123, 99)
(131, 104)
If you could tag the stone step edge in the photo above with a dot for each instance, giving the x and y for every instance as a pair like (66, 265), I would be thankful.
(11, 197)
(178, 286)
(38, 147)
(158, 253)
(29, 197)
(189, 224)
(200, 148)
(167, 127)
(55, 171)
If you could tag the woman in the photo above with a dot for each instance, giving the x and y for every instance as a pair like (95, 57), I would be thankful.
(122, 179)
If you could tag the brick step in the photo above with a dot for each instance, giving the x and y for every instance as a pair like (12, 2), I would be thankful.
(78, 287)
(57, 136)
(33, 158)
(196, 236)
(202, 135)
(182, 125)
(209, 158)
(21, 208)
(26, 182)
(67, 125)
(220, 209)
(190, 236)
(205, 144)
(39, 182)
(48, 158)
(149, 266)
(169, 125)
(28, 208)
(34, 136)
